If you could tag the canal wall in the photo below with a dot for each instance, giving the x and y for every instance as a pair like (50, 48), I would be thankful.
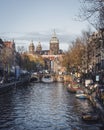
(95, 102)
(8, 86)
(97, 105)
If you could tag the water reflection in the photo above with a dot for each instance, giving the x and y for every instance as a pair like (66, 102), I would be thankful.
(43, 107)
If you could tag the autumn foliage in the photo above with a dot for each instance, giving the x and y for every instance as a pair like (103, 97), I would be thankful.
(73, 57)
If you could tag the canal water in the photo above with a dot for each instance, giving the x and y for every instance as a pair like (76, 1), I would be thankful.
(42, 106)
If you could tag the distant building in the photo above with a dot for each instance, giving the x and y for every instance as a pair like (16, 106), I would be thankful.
(7, 55)
(1, 48)
(53, 50)
(1, 44)
(9, 44)
(52, 56)
(54, 45)
(31, 48)
(39, 47)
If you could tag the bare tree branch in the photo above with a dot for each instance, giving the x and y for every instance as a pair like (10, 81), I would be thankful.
(93, 11)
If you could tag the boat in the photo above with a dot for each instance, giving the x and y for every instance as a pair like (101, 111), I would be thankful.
(90, 116)
(34, 79)
(47, 79)
(80, 94)
(73, 88)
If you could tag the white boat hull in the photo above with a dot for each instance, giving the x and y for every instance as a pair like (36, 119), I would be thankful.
(47, 79)
(81, 96)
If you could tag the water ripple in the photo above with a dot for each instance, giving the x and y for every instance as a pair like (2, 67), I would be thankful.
(43, 107)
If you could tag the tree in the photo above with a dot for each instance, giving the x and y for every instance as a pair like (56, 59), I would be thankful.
(30, 62)
(21, 49)
(66, 60)
(93, 11)
(73, 57)
(7, 57)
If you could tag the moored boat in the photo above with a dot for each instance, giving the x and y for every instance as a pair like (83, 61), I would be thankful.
(35, 79)
(80, 94)
(73, 88)
(90, 116)
(47, 79)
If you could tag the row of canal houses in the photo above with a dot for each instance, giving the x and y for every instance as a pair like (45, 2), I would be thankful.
(93, 58)
(7, 51)
(7, 57)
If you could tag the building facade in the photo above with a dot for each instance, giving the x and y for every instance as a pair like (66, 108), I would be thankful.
(93, 58)
(31, 48)
(52, 56)
(54, 45)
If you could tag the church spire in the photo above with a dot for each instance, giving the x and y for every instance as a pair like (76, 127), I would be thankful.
(54, 44)
(31, 48)
(54, 33)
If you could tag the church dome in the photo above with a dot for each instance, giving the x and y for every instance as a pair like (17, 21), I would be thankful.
(54, 39)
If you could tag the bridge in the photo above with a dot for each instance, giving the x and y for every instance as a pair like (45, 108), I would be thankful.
(57, 77)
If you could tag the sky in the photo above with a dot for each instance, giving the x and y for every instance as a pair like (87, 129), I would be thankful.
(35, 20)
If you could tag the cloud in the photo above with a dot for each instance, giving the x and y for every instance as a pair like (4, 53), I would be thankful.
(20, 38)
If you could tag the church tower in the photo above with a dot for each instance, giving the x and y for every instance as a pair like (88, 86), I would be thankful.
(39, 47)
(31, 48)
(54, 45)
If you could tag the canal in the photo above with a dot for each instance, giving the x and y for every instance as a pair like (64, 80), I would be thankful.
(42, 106)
